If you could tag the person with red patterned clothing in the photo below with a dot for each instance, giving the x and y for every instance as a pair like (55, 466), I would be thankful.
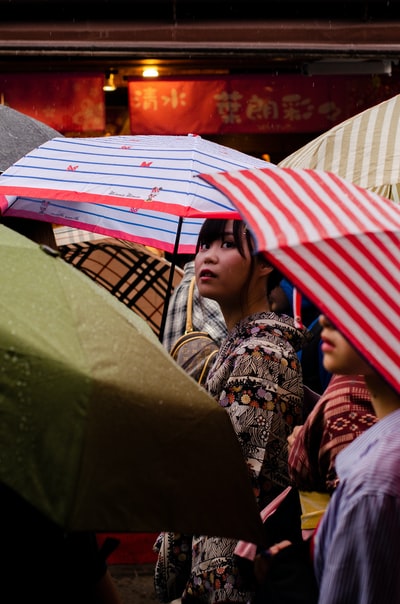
(257, 378)
(343, 412)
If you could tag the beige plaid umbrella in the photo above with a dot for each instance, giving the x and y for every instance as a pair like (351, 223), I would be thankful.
(133, 273)
(365, 150)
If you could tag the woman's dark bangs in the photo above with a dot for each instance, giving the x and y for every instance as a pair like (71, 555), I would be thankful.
(215, 228)
(212, 229)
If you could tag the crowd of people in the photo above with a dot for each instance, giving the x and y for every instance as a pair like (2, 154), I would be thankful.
(331, 439)
(332, 453)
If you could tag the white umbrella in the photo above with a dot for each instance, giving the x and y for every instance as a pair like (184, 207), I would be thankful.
(137, 188)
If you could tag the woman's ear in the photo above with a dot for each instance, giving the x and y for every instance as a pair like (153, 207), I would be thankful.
(264, 267)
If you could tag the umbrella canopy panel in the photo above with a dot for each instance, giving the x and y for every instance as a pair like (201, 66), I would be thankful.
(131, 272)
(99, 428)
(127, 187)
(338, 243)
(365, 149)
(19, 134)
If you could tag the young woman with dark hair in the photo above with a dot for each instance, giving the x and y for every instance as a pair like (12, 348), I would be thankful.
(257, 379)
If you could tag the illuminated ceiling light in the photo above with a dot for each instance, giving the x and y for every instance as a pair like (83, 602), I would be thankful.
(150, 72)
(109, 83)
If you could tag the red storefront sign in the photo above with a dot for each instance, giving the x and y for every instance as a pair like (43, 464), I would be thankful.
(251, 104)
(72, 102)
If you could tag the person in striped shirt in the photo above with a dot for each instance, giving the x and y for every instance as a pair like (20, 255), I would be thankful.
(356, 546)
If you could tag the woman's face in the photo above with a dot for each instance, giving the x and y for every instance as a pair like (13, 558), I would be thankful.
(221, 271)
(338, 355)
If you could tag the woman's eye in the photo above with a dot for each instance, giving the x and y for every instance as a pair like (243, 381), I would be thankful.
(228, 244)
(204, 246)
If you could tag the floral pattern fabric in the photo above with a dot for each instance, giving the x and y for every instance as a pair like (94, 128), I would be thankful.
(257, 378)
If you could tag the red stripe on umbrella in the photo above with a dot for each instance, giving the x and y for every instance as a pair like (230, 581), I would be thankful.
(338, 243)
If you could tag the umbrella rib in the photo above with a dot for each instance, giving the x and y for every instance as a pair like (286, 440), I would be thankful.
(170, 280)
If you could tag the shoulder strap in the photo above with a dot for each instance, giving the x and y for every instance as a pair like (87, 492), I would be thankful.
(189, 325)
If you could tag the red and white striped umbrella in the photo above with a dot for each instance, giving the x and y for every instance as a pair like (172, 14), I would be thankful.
(339, 244)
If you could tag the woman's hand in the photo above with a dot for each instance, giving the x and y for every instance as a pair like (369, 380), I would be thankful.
(262, 561)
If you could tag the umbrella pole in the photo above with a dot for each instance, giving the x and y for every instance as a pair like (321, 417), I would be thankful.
(170, 279)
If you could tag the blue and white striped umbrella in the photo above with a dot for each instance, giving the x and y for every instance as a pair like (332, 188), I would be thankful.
(136, 188)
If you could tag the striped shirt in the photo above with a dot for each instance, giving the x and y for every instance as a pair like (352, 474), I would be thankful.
(357, 544)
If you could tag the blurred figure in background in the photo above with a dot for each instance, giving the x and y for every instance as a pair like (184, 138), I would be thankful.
(40, 232)
(342, 413)
(44, 563)
(315, 376)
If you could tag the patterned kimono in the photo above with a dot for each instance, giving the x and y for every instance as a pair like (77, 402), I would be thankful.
(257, 379)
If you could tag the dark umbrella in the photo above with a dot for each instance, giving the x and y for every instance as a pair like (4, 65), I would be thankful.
(19, 134)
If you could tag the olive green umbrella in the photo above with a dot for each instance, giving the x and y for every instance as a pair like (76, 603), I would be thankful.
(99, 427)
